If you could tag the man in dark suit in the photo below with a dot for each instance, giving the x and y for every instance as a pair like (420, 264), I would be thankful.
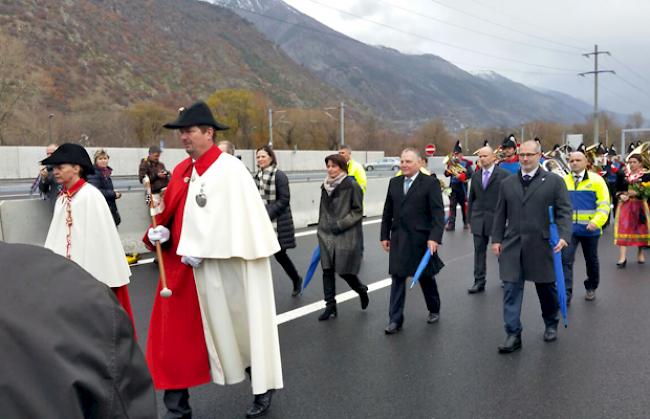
(520, 237)
(483, 194)
(412, 223)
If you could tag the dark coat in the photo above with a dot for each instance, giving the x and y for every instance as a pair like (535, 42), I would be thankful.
(410, 221)
(280, 211)
(105, 186)
(151, 169)
(68, 348)
(340, 233)
(521, 226)
(483, 202)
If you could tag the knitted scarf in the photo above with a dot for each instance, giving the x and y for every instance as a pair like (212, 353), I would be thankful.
(331, 183)
(265, 180)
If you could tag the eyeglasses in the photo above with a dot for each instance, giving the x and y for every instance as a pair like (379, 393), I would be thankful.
(527, 155)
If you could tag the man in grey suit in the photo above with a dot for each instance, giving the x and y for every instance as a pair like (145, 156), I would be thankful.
(520, 237)
(483, 194)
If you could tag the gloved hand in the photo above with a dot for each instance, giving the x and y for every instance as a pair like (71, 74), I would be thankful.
(158, 234)
(191, 261)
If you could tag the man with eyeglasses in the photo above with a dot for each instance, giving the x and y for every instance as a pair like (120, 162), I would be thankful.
(520, 238)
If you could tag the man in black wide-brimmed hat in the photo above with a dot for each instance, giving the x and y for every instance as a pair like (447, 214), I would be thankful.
(219, 324)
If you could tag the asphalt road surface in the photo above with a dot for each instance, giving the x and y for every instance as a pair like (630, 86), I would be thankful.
(348, 368)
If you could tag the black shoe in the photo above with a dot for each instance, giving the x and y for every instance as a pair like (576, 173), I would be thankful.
(433, 317)
(569, 295)
(260, 405)
(297, 287)
(550, 334)
(330, 312)
(511, 344)
(450, 227)
(392, 328)
(363, 297)
(466, 227)
(621, 265)
(476, 288)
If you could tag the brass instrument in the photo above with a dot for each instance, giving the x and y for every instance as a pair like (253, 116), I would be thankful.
(555, 161)
(453, 166)
(644, 151)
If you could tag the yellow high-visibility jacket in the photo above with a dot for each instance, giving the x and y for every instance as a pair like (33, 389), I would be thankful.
(356, 170)
(590, 201)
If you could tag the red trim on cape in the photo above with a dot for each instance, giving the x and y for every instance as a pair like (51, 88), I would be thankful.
(74, 189)
(204, 162)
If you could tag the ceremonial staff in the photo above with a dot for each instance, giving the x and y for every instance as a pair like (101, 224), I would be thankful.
(164, 292)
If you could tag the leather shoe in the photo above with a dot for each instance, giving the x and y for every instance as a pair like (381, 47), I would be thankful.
(328, 313)
(297, 287)
(433, 317)
(511, 344)
(590, 295)
(392, 328)
(260, 405)
(476, 288)
(550, 334)
(363, 298)
(450, 227)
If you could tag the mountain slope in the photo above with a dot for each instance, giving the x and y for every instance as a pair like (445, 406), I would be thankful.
(172, 50)
(406, 89)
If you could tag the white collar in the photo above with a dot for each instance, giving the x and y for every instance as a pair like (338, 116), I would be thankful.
(413, 177)
(531, 174)
(581, 175)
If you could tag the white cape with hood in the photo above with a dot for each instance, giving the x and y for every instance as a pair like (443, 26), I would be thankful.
(234, 236)
(95, 243)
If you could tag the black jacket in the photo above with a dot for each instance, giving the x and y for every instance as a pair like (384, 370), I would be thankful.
(340, 233)
(280, 211)
(483, 202)
(410, 221)
(105, 186)
(67, 346)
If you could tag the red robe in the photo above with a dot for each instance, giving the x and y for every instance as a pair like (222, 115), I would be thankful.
(176, 351)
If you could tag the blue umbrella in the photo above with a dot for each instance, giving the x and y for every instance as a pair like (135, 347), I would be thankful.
(423, 264)
(557, 265)
(313, 263)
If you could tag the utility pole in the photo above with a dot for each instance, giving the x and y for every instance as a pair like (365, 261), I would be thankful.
(270, 127)
(466, 145)
(342, 118)
(523, 133)
(49, 128)
(595, 73)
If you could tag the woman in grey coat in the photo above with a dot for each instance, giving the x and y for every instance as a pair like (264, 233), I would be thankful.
(340, 233)
(273, 186)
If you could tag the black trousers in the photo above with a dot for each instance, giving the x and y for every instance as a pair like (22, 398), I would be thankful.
(329, 285)
(398, 297)
(458, 197)
(480, 250)
(287, 265)
(590, 251)
(177, 403)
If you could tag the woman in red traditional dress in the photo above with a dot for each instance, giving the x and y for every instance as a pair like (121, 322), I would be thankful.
(632, 216)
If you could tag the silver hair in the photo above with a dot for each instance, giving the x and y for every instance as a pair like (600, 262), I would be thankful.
(413, 150)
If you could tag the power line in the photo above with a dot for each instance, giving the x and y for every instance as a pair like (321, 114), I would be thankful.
(630, 69)
(440, 42)
(506, 27)
(622, 99)
(633, 85)
(491, 9)
(477, 31)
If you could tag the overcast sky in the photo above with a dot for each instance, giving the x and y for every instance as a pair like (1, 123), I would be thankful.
(551, 34)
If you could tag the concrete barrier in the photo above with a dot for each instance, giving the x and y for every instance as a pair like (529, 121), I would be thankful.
(27, 221)
(22, 162)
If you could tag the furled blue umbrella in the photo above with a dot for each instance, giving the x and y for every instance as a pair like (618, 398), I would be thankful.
(423, 264)
(557, 265)
(313, 263)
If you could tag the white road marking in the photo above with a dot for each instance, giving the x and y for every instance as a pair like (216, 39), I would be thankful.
(348, 295)
(340, 298)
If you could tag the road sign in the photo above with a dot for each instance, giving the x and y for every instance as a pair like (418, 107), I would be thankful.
(430, 149)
